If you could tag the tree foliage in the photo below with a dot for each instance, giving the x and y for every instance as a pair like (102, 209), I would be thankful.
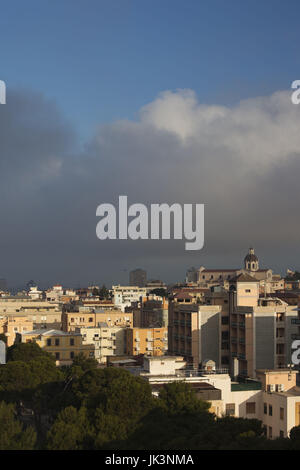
(83, 406)
(13, 435)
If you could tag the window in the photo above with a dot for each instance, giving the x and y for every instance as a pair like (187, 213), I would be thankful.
(247, 290)
(225, 320)
(225, 335)
(270, 410)
(72, 342)
(281, 434)
(230, 409)
(72, 354)
(57, 356)
(265, 408)
(250, 407)
(270, 432)
(56, 342)
(48, 342)
(281, 413)
(225, 360)
(90, 319)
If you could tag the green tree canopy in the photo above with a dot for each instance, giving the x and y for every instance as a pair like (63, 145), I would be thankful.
(13, 435)
(26, 352)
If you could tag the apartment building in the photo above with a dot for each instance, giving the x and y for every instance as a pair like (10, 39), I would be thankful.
(12, 324)
(138, 277)
(154, 312)
(64, 346)
(71, 320)
(256, 330)
(149, 341)
(94, 303)
(219, 296)
(11, 304)
(58, 294)
(261, 329)
(42, 313)
(125, 295)
(195, 332)
(107, 340)
(189, 294)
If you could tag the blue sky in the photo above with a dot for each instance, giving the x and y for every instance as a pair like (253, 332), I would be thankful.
(103, 60)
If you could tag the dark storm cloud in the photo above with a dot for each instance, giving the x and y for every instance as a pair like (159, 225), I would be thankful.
(242, 162)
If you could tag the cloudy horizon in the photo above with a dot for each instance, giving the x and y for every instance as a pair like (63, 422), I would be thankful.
(241, 161)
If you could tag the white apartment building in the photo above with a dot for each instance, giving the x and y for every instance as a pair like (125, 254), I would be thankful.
(125, 295)
(108, 340)
(273, 398)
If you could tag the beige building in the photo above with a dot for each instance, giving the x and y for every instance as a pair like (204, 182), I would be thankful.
(262, 329)
(149, 341)
(256, 330)
(154, 312)
(195, 332)
(107, 340)
(12, 324)
(64, 346)
(268, 282)
(41, 313)
(71, 320)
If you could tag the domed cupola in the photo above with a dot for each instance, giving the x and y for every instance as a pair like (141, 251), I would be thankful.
(251, 261)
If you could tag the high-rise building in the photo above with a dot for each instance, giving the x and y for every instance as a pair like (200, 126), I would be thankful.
(138, 277)
(194, 332)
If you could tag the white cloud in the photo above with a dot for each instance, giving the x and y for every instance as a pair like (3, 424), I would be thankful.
(241, 161)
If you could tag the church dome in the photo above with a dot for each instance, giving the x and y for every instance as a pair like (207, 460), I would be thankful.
(251, 260)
